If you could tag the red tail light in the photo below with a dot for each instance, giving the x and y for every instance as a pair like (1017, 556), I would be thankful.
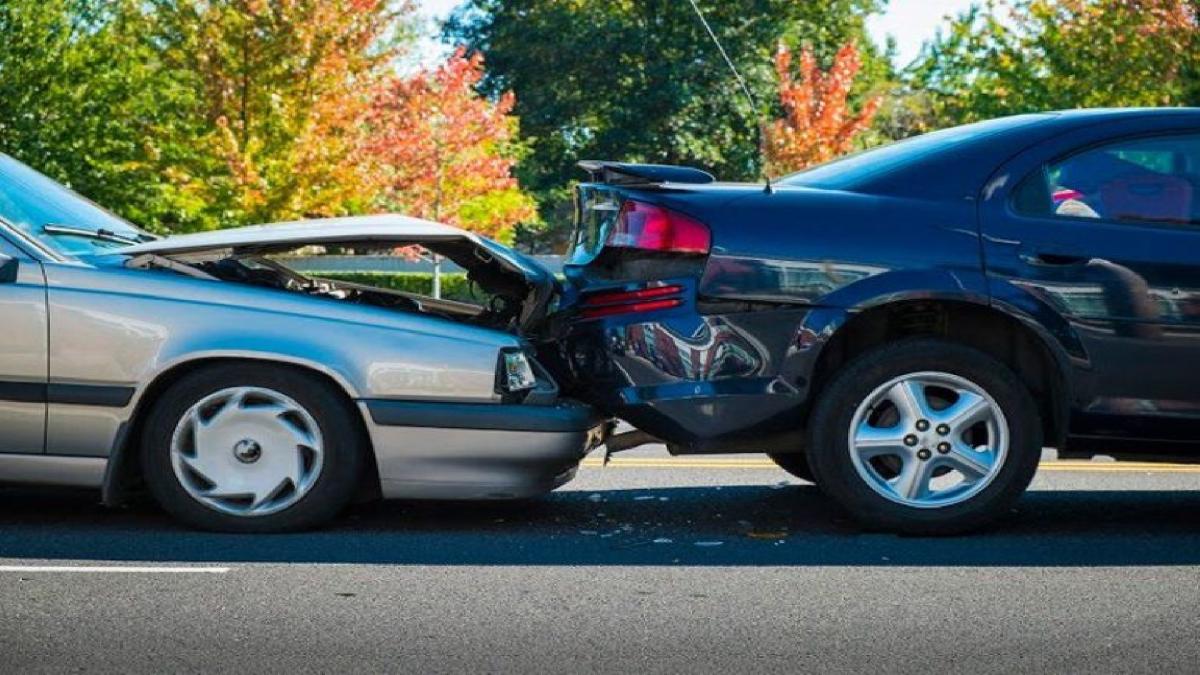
(608, 303)
(654, 228)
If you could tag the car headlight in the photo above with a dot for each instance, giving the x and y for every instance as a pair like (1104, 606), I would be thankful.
(516, 373)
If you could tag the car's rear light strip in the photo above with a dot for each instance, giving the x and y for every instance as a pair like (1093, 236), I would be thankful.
(609, 303)
(625, 297)
(653, 305)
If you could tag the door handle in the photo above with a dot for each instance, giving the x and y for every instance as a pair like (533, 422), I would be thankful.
(1048, 259)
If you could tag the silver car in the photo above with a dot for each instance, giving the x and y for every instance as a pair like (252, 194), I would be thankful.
(246, 396)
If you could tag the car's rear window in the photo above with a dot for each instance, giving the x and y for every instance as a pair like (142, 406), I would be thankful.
(854, 170)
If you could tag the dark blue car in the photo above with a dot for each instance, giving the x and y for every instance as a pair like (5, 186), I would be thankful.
(908, 326)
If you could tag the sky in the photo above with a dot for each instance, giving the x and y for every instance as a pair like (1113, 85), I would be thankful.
(911, 22)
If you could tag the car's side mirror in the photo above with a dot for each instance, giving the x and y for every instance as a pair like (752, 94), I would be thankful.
(8, 269)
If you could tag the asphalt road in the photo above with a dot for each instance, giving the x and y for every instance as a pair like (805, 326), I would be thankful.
(645, 566)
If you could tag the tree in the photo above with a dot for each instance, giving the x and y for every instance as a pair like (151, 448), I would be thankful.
(999, 59)
(447, 153)
(195, 114)
(817, 124)
(83, 99)
(285, 87)
(640, 80)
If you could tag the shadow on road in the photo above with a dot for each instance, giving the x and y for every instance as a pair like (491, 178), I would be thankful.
(693, 526)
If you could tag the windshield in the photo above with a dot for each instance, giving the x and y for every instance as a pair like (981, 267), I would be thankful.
(853, 170)
(30, 201)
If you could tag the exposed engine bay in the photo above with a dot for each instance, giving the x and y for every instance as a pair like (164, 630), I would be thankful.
(507, 299)
(500, 310)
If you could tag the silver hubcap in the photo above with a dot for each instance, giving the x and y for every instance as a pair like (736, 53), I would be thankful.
(247, 451)
(928, 440)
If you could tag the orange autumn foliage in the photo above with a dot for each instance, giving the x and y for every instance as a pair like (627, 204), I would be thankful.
(818, 123)
(446, 152)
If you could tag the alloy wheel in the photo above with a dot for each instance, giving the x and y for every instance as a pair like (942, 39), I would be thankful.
(928, 440)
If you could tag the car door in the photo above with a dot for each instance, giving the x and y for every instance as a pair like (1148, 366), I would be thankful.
(1103, 231)
(23, 352)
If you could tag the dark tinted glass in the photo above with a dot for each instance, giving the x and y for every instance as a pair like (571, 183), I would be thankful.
(1152, 180)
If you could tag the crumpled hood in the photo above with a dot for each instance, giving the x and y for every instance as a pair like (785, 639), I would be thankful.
(493, 266)
(384, 229)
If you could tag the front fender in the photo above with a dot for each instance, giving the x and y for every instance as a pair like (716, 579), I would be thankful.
(113, 329)
(126, 327)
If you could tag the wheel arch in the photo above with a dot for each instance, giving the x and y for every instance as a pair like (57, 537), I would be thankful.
(1015, 340)
(123, 472)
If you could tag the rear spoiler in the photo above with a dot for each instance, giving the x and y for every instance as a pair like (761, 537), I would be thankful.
(620, 173)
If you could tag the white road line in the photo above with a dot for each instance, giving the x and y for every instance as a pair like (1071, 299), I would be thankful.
(83, 569)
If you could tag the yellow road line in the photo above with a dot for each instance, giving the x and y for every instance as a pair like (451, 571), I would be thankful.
(1119, 467)
(752, 463)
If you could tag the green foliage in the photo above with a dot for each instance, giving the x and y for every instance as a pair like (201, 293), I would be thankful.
(194, 114)
(454, 286)
(83, 100)
(282, 88)
(639, 80)
(1037, 55)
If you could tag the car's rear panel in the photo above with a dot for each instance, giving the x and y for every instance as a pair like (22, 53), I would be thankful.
(718, 350)
(639, 341)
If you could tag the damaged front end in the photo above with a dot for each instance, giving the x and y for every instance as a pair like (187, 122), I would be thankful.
(512, 292)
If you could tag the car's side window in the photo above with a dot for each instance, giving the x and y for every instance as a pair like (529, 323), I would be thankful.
(1148, 180)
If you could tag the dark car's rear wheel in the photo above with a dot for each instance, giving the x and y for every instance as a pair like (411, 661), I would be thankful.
(252, 448)
(925, 437)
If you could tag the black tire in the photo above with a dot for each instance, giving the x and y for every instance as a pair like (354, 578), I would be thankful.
(345, 447)
(795, 463)
(829, 427)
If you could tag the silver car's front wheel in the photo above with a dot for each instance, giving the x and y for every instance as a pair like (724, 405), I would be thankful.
(253, 447)
(247, 451)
